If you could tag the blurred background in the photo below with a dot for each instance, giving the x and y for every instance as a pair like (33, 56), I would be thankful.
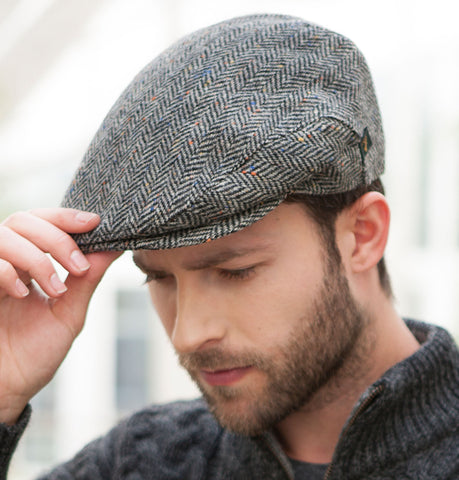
(63, 63)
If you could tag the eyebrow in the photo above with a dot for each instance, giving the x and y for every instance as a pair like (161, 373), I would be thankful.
(220, 257)
(211, 260)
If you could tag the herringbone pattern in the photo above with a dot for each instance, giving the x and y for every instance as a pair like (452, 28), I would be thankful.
(216, 131)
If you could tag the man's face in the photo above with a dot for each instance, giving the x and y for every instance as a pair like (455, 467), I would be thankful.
(261, 319)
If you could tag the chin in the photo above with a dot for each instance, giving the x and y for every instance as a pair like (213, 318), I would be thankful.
(248, 415)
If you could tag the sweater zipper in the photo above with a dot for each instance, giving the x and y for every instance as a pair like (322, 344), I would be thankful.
(371, 397)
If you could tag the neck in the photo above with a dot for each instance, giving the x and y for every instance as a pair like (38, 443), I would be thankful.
(312, 433)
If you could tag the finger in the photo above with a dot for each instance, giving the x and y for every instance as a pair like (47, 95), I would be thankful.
(22, 254)
(10, 281)
(50, 239)
(73, 305)
(24, 276)
(68, 219)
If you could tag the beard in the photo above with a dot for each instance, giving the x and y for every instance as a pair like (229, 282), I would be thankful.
(325, 345)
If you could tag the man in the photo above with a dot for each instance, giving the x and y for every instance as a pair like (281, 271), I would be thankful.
(242, 168)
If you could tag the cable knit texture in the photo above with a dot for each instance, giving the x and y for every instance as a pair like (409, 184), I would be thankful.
(405, 427)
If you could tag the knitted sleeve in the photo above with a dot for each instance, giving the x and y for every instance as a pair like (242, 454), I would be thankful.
(9, 437)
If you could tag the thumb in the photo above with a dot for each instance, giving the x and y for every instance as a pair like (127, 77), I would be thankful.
(72, 306)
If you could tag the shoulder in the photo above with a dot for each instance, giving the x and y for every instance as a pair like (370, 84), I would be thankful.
(175, 440)
(172, 441)
(172, 421)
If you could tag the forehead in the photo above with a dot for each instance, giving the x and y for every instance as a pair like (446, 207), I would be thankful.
(277, 229)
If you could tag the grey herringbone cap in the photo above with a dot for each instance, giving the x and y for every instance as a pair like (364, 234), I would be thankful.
(221, 127)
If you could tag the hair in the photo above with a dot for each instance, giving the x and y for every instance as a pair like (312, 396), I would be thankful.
(325, 209)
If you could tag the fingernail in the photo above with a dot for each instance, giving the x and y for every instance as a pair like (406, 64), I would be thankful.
(85, 217)
(21, 288)
(57, 284)
(79, 261)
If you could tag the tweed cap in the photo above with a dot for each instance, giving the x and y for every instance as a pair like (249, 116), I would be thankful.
(221, 127)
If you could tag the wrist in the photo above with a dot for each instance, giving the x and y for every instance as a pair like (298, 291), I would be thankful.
(11, 411)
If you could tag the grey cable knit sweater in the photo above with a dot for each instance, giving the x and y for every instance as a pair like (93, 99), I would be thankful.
(406, 426)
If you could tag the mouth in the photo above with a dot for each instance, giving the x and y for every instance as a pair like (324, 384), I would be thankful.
(225, 377)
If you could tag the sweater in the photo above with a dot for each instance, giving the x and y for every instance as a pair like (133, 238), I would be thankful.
(405, 426)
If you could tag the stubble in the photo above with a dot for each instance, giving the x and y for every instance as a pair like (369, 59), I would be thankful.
(329, 342)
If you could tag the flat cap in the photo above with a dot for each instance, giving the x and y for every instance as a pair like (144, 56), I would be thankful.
(221, 127)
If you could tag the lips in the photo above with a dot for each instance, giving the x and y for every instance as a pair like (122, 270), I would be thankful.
(224, 377)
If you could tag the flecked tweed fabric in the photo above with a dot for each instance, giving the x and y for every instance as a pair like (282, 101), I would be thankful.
(221, 127)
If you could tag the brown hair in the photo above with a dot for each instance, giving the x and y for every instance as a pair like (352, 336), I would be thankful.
(325, 209)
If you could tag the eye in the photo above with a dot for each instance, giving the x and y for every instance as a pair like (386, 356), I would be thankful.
(157, 277)
(239, 274)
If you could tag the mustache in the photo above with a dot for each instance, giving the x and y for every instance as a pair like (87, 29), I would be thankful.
(219, 359)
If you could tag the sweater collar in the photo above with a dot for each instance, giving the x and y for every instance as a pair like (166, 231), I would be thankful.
(400, 412)
(404, 410)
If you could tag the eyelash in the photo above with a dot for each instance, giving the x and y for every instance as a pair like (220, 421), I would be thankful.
(155, 278)
(241, 274)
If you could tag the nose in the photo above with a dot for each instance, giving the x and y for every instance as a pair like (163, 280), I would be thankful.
(199, 318)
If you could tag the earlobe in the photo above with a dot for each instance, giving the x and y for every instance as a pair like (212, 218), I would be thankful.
(369, 220)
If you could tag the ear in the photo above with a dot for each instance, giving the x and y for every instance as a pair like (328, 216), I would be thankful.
(365, 228)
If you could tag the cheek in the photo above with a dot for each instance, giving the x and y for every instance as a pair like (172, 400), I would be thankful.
(273, 307)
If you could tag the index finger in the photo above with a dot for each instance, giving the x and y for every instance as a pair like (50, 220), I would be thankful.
(70, 220)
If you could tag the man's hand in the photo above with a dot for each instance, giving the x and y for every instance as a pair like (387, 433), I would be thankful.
(37, 328)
